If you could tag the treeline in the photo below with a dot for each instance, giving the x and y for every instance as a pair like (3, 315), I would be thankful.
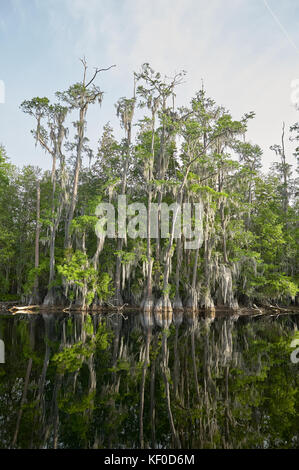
(49, 250)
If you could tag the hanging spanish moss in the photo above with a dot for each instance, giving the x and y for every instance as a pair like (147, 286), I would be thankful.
(77, 254)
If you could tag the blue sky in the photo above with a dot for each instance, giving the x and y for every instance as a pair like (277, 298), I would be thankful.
(246, 56)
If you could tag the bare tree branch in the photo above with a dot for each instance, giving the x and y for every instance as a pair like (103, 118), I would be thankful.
(98, 71)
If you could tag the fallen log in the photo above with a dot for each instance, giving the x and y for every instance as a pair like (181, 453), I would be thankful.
(23, 309)
(24, 312)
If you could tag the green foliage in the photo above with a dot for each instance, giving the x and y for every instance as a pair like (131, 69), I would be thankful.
(33, 274)
(71, 358)
(78, 271)
(196, 153)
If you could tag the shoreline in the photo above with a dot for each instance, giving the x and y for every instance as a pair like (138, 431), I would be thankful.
(219, 311)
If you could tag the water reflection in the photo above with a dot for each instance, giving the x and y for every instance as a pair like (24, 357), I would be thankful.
(100, 381)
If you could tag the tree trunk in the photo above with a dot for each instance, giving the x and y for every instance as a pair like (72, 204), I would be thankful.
(76, 176)
(35, 298)
(142, 387)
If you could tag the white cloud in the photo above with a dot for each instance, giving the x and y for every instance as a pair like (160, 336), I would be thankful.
(236, 47)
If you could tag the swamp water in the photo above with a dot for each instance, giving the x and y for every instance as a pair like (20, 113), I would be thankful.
(107, 381)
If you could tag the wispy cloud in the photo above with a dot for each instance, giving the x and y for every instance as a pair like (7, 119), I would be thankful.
(236, 47)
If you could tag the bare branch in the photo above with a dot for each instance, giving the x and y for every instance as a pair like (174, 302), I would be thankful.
(98, 71)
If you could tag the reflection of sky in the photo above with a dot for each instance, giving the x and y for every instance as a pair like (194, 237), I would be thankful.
(247, 61)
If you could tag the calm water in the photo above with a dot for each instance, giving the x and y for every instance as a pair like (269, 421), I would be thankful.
(94, 381)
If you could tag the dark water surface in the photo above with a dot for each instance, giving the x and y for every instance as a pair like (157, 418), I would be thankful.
(102, 381)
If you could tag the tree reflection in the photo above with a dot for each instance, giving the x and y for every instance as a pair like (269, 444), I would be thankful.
(94, 381)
